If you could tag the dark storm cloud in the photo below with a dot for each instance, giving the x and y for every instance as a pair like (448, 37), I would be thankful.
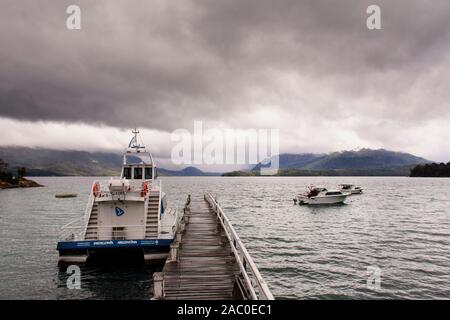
(161, 64)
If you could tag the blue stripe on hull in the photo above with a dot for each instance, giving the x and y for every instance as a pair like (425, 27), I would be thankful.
(91, 244)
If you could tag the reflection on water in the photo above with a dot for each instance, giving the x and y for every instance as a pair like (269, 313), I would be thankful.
(108, 282)
(401, 225)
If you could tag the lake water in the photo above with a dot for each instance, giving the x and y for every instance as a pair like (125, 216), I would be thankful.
(399, 226)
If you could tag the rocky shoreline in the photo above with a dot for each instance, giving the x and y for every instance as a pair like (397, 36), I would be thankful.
(19, 183)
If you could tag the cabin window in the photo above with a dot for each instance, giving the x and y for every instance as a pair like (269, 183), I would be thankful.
(148, 173)
(137, 173)
(127, 172)
(333, 193)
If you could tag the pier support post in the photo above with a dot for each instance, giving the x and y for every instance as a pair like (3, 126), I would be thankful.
(223, 239)
(182, 226)
(158, 285)
(187, 206)
(219, 224)
(174, 251)
(179, 234)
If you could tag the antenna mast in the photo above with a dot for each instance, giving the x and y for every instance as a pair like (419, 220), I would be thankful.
(134, 143)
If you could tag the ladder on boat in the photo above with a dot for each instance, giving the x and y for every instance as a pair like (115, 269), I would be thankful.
(153, 207)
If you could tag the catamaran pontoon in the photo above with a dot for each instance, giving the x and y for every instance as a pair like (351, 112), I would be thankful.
(126, 215)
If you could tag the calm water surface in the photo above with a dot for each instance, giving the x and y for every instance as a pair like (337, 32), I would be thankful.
(400, 225)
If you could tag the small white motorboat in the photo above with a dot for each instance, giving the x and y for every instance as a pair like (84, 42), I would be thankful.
(318, 195)
(350, 188)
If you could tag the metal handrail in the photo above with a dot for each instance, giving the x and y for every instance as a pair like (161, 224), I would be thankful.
(79, 219)
(111, 226)
(159, 206)
(135, 187)
(243, 258)
(88, 211)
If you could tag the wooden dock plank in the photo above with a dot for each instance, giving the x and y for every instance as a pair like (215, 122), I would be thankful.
(205, 268)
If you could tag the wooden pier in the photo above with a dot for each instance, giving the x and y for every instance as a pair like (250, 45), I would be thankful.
(208, 260)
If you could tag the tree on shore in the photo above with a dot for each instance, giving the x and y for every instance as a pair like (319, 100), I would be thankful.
(7, 180)
(3, 166)
(4, 172)
(21, 172)
(431, 170)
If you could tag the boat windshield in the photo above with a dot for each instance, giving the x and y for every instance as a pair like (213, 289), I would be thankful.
(127, 172)
(148, 173)
(137, 173)
(137, 158)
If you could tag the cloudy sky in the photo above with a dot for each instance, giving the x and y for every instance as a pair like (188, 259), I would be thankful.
(310, 68)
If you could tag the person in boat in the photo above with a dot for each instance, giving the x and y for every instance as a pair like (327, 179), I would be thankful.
(313, 192)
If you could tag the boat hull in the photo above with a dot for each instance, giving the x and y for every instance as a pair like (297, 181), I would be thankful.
(338, 199)
(146, 250)
(351, 191)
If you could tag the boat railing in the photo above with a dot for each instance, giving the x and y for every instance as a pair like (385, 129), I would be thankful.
(177, 216)
(73, 230)
(156, 185)
(255, 288)
(170, 210)
(90, 204)
(159, 206)
(110, 232)
(135, 187)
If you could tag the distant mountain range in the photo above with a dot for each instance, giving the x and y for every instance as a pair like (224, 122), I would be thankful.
(48, 162)
(188, 171)
(362, 162)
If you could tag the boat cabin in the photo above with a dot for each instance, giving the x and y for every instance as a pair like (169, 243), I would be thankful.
(138, 170)
(137, 164)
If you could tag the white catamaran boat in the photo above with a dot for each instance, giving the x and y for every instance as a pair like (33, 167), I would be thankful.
(319, 195)
(126, 216)
(350, 188)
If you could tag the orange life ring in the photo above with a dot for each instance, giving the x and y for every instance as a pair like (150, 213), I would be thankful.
(144, 189)
(95, 190)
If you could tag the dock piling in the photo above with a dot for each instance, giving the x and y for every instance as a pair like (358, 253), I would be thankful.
(158, 285)
(174, 251)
